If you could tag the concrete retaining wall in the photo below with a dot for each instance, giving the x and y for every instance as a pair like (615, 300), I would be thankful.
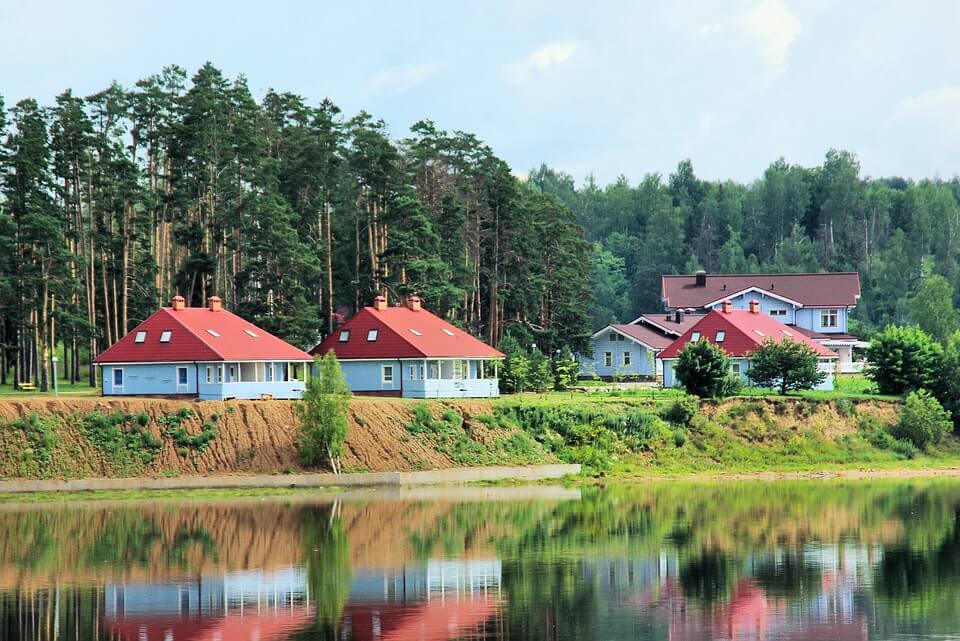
(371, 479)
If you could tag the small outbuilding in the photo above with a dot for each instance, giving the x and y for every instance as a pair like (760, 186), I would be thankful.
(202, 352)
(407, 351)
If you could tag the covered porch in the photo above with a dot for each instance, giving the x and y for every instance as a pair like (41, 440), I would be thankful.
(253, 380)
(451, 378)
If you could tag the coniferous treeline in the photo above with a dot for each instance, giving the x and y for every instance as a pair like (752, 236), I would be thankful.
(113, 203)
(895, 232)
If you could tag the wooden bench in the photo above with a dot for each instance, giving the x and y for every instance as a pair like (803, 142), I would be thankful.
(27, 387)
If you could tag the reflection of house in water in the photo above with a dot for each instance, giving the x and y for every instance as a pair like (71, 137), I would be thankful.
(434, 601)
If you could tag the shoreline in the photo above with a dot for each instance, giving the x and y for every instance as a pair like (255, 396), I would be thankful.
(787, 475)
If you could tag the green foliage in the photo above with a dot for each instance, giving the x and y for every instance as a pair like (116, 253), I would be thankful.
(923, 421)
(41, 434)
(122, 437)
(704, 370)
(904, 359)
(931, 308)
(681, 411)
(787, 365)
(565, 370)
(323, 413)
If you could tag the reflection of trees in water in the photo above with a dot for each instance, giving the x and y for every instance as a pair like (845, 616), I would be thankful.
(788, 575)
(327, 562)
(707, 577)
(547, 596)
(31, 615)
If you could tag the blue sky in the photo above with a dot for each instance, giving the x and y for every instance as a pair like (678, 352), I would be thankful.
(606, 88)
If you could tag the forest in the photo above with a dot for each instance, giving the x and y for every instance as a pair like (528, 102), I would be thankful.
(297, 214)
(293, 214)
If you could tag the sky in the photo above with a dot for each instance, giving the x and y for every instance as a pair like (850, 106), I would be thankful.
(604, 88)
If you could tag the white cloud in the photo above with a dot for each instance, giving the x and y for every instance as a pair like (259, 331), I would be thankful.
(937, 110)
(540, 61)
(400, 79)
(770, 25)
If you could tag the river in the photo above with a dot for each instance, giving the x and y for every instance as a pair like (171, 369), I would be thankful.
(818, 560)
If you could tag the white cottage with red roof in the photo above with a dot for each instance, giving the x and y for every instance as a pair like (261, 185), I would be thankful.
(740, 333)
(407, 351)
(202, 352)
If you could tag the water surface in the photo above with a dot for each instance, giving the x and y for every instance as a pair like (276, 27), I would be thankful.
(786, 560)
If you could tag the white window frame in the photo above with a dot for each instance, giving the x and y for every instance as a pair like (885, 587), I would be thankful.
(220, 374)
(778, 312)
(721, 336)
(413, 371)
(165, 336)
(186, 376)
(608, 359)
(613, 337)
(372, 335)
(831, 316)
(735, 368)
(625, 358)
(694, 337)
(141, 337)
(268, 372)
(209, 374)
(233, 371)
(383, 375)
(344, 335)
(113, 378)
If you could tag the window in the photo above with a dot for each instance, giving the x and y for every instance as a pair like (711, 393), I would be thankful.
(251, 333)
(372, 335)
(413, 372)
(344, 335)
(721, 335)
(213, 333)
(268, 372)
(232, 373)
(608, 359)
(829, 318)
(165, 336)
(735, 368)
(219, 373)
(448, 332)
(625, 358)
(695, 336)
(778, 312)
(181, 376)
(140, 338)
(387, 374)
(423, 370)
(613, 337)
(209, 374)
(118, 377)
(415, 332)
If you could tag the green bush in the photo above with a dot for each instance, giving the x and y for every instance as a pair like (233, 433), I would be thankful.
(787, 365)
(904, 359)
(704, 370)
(923, 421)
(682, 411)
(845, 407)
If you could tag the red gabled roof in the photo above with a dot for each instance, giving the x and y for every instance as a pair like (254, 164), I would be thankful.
(828, 289)
(667, 322)
(745, 332)
(403, 333)
(190, 340)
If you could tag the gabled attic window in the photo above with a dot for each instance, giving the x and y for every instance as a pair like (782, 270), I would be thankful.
(344, 335)
(251, 333)
(165, 336)
(213, 333)
(372, 335)
(141, 337)
(415, 332)
(448, 332)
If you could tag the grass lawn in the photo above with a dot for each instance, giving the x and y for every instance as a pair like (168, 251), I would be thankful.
(66, 389)
(849, 386)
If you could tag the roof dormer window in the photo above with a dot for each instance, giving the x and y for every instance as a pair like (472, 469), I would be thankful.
(213, 333)
(344, 335)
(165, 336)
(372, 335)
(251, 333)
(141, 337)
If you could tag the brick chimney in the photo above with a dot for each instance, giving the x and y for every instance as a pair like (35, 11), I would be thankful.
(701, 278)
(380, 303)
(413, 303)
(178, 303)
(754, 307)
(215, 304)
(727, 307)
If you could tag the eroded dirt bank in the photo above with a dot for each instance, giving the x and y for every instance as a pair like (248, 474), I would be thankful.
(251, 437)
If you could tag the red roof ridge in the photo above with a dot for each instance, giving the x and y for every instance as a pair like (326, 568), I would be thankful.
(173, 314)
(761, 274)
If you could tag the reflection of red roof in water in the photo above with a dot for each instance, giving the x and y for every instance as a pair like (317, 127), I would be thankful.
(266, 627)
(432, 621)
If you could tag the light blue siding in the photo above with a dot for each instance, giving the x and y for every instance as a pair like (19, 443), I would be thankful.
(160, 379)
(429, 378)
(810, 317)
(642, 361)
(669, 379)
(805, 317)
